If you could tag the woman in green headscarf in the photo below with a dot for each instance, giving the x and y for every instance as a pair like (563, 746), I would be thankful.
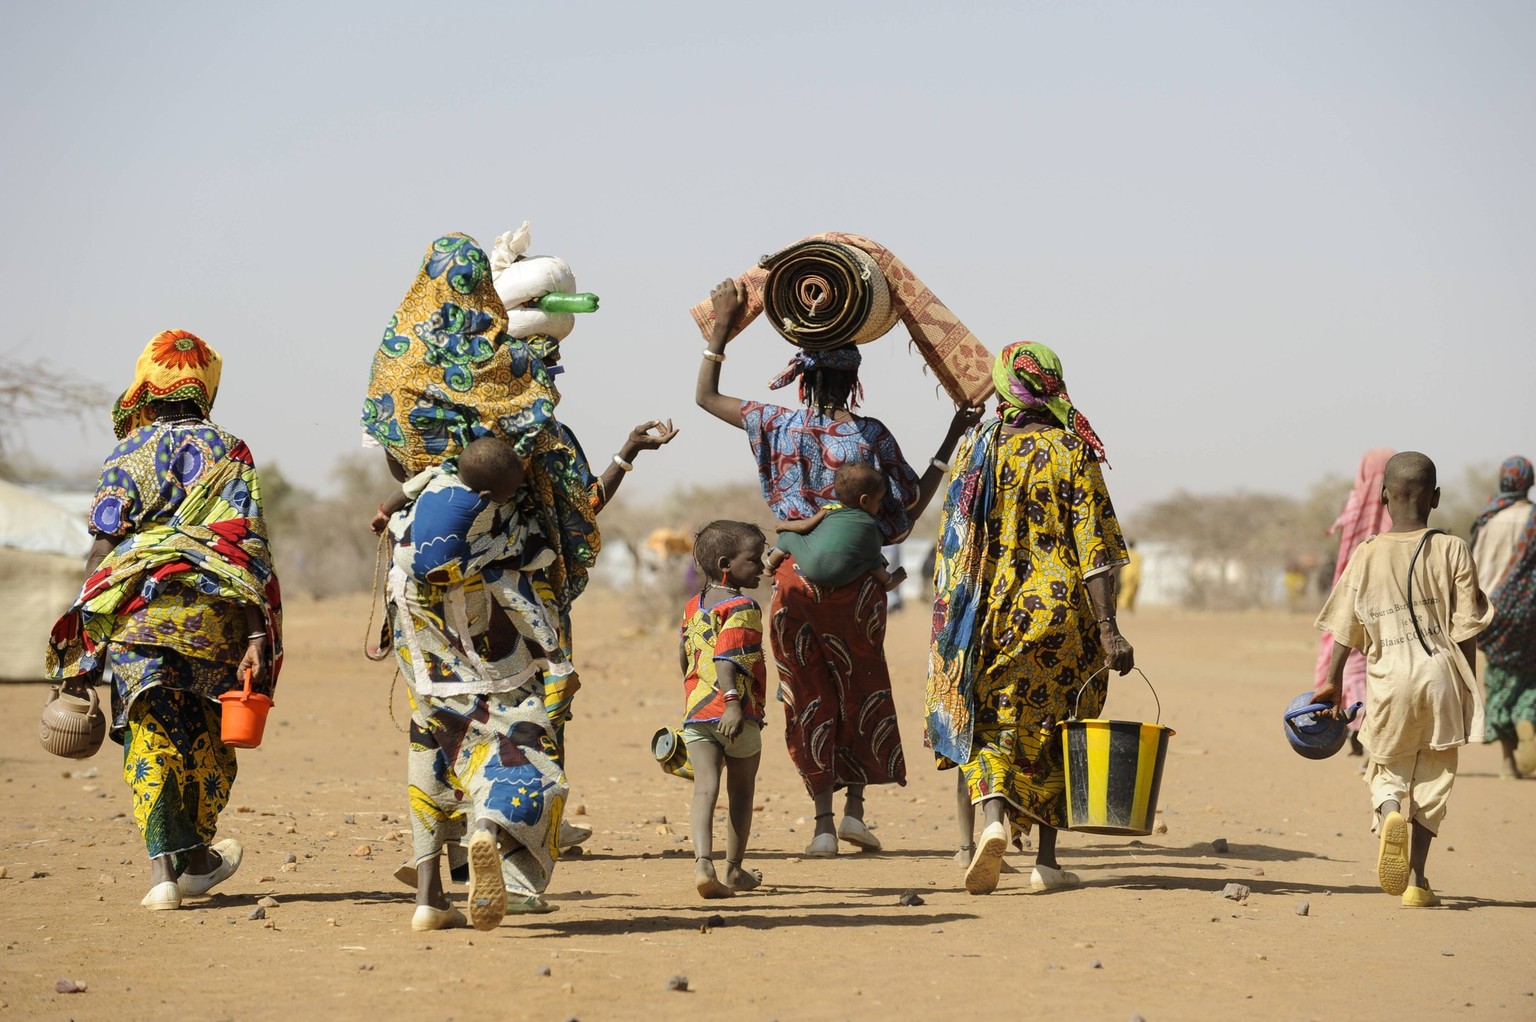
(1024, 610)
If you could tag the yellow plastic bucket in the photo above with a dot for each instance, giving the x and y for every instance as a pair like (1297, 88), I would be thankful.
(671, 752)
(1114, 770)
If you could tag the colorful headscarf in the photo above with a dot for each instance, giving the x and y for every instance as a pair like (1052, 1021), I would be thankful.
(174, 366)
(446, 372)
(1516, 477)
(846, 359)
(1028, 375)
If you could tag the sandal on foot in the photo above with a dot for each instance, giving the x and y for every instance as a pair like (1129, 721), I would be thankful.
(162, 897)
(1045, 878)
(822, 846)
(487, 891)
(429, 918)
(229, 852)
(571, 835)
(1392, 859)
(1420, 897)
(855, 832)
(529, 905)
(987, 863)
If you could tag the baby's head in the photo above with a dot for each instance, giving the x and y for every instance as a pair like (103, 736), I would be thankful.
(491, 468)
(861, 485)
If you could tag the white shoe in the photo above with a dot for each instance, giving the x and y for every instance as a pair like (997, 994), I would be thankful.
(1044, 878)
(822, 846)
(981, 876)
(487, 890)
(429, 918)
(194, 884)
(855, 832)
(571, 836)
(162, 897)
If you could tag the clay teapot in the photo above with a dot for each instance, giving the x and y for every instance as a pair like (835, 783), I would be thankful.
(73, 726)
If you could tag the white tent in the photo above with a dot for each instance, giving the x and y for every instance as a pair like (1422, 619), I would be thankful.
(42, 557)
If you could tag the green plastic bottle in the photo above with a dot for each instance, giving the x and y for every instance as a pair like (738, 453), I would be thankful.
(558, 301)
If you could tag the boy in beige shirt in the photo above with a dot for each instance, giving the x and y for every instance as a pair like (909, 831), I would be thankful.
(1409, 601)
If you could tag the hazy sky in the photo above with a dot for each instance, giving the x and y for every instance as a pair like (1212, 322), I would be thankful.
(1263, 238)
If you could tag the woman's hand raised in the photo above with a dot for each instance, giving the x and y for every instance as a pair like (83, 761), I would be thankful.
(726, 299)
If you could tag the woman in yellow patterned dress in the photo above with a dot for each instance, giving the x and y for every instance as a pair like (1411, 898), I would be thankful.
(1024, 608)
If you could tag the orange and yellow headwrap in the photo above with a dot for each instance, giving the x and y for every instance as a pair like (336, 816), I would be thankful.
(174, 366)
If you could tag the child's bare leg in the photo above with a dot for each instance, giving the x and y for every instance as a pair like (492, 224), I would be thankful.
(707, 758)
(1418, 854)
(965, 817)
(740, 788)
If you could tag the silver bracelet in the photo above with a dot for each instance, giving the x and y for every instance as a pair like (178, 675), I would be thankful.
(627, 466)
(714, 356)
(940, 464)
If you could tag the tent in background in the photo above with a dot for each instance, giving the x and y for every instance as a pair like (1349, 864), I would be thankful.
(43, 543)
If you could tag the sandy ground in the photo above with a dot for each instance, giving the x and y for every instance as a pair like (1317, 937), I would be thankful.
(1148, 934)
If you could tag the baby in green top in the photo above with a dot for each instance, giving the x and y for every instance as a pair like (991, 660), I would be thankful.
(842, 541)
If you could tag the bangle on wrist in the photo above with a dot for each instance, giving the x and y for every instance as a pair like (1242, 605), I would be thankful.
(940, 464)
(731, 695)
(714, 356)
(255, 635)
(1106, 620)
(627, 466)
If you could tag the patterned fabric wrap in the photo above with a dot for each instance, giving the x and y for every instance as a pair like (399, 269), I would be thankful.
(731, 630)
(446, 372)
(487, 756)
(846, 359)
(174, 366)
(1028, 375)
(839, 713)
(1363, 516)
(1026, 520)
(1516, 477)
(1510, 641)
(799, 451)
(187, 500)
(179, 768)
(953, 354)
(1511, 698)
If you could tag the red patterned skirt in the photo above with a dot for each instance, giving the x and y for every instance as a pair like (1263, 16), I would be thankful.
(840, 717)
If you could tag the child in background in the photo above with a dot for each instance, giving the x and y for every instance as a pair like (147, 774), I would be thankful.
(842, 541)
(1410, 603)
(725, 691)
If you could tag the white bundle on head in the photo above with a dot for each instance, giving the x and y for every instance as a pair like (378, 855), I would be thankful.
(520, 279)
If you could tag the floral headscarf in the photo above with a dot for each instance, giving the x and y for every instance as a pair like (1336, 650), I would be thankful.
(446, 372)
(1516, 477)
(846, 359)
(1028, 375)
(174, 366)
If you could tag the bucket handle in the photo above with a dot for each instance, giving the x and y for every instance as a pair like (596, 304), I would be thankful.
(245, 697)
(1078, 701)
(1349, 714)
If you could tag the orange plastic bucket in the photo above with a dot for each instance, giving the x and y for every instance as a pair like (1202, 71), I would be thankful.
(245, 716)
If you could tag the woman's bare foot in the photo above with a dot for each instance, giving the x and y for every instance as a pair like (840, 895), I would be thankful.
(739, 880)
(704, 879)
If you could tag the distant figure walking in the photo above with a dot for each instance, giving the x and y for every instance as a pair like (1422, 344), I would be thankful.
(1504, 547)
(1365, 514)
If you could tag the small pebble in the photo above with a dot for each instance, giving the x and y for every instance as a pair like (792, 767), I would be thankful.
(1303, 908)
(1219, 846)
(909, 899)
(289, 867)
(937, 929)
(290, 857)
(362, 850)
(678, 983)
(265, 879)
(267, 901)
(1258, 871)
(1137, 1018)
(364, 967)
(4, 873)
(542, 970)
(39, 874)
(1161, 828)
(1235, 892)
(349, 819)
(1448, 953)
(257, 913)
(69, 986)
(1096, 964)
(579, 809)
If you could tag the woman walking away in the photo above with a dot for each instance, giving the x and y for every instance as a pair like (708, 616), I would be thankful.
(1504, 549)
(180, 600)
(1024, 611)
(1364, 515)
(828, 643)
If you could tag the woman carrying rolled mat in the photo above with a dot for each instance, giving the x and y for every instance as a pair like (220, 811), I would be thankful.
(1024, 608)
(828, 643)
(180, 600)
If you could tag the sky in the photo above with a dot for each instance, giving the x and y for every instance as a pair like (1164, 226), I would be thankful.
(1262, 237)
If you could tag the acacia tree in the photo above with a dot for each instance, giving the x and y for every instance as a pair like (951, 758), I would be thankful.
(33, 391)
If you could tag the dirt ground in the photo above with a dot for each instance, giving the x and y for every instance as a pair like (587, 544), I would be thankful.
(1149, 934)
